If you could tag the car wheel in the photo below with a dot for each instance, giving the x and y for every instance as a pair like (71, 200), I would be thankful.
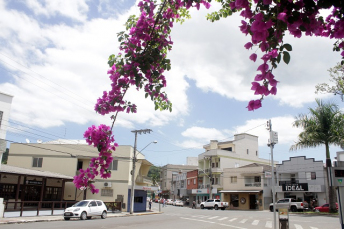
(293, 209)
(271, 208)
(202, 206)
(104, 214)
(89, 217)
(83, 216)
(216, 207)
(66, 218)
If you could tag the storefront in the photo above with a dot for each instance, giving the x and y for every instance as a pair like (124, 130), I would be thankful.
(243, 200)
(140, 197)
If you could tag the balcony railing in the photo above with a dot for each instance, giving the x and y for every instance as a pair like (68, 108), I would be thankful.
(253, 185)
(202, 186)
(143, 179)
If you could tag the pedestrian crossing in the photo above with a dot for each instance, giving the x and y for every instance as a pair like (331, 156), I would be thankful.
(245, 221)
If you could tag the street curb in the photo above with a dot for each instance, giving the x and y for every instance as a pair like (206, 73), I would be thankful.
(60, 218)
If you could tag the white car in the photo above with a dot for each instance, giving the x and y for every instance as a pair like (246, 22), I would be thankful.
(179, 203)
(85, 209)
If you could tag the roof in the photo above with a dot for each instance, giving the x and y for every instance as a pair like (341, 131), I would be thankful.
(30, 172)
(265, 167)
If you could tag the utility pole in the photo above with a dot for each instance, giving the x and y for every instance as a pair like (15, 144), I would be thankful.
(272, 141)
(134, 166)
(211, 180)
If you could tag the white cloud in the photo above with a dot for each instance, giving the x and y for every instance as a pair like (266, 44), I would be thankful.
(76, 9)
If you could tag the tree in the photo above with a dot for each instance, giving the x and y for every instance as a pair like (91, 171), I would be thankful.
(154, 174)
(337, 77)
(324, 125)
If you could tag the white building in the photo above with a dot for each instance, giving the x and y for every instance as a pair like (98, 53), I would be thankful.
(5, 108)
(243, 150)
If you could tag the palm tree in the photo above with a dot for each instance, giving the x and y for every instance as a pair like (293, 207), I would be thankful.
(323, 126)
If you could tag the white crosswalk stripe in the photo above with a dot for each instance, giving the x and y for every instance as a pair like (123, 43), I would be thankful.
(243, 221)
(255, 222)
(268, 224)
(223, 218)
(297, 226)
(313, 227)
(231, 220)
(213, 217)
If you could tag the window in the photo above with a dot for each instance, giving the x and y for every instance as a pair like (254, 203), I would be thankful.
(257, 179)
(1, 114)
(93, 204)
(212, 165)
(188, 182)
(256, 153)
(247, 151)
(311, 176)
(216, 180)
(195, 181)
(217, 165)
(37, 162)
(99, 203)
(107, 192)
(234, 179)
(138, 199)
(228, 149)
(113, 165)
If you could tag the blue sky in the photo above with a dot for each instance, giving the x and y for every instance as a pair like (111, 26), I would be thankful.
(53, 60)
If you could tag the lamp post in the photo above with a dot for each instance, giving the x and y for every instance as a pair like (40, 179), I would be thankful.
(132, 193)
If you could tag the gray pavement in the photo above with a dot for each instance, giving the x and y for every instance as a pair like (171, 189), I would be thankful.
(28, 217)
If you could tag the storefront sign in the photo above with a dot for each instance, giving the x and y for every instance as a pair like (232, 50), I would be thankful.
(36, 182)
(295, 187)
(200, 191)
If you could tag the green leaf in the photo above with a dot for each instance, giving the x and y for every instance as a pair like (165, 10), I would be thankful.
(146, 95)
(286, 57)
(279, 58)
(288, 47)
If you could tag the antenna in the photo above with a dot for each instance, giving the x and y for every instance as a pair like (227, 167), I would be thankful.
(39, 141)
(27, 140)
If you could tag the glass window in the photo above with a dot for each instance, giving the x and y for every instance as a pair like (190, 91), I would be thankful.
(257, 179)
(217, 201)
(1, 114)
(247, 151)
(235, 200)
(234, 179)
(37, 162)
(113, 165)
(99, 203)
(93, 204)
(313, 176)
(107, 192)
(138, 199)
(195, 181)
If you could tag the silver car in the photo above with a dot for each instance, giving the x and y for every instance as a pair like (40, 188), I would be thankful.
(85, 209)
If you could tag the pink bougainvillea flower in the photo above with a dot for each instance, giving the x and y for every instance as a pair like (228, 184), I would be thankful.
(248, 45)
(282, 16)
(254, 104)
(253, 57)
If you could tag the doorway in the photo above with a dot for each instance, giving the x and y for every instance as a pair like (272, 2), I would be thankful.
(253, 202)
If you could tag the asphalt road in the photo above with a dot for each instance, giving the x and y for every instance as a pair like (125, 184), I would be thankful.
(183, 217)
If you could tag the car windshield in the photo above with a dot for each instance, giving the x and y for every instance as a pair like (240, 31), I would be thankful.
(81, 204)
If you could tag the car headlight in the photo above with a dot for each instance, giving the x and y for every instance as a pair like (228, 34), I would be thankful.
(76, 209)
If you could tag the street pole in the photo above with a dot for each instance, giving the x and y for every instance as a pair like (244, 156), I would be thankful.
(133, 170)
(271, 144)
(211, 181)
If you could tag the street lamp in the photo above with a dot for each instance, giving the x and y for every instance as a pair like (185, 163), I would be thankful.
(149, 144)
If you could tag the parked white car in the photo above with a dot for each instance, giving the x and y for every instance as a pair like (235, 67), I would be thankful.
(179, 203)
(85, 209)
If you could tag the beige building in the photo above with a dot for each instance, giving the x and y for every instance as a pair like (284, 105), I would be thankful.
(247, 187)
(241, 151)
(68, 156)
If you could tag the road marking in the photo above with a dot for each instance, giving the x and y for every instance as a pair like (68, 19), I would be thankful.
(298, 226)
(214, 222)
(213, 217)
(223, 218)
(243, 221)
(231, 220)
(313, 227)
(255, 222)
(268, 224)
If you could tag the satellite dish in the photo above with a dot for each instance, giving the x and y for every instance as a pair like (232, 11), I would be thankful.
(39, 141)
(27, 140)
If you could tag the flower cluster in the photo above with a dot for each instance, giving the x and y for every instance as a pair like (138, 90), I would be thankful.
(140, 63)
(100, 137)
(268, 20)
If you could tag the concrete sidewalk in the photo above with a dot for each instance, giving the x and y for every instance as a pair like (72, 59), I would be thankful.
(47, 218)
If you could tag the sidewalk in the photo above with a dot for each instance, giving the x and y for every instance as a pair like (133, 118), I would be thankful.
(59, 217)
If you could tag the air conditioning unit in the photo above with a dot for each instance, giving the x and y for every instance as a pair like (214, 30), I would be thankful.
(107, 184)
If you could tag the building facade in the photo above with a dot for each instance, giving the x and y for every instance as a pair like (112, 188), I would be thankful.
(243, 150)
(168, 179)
(5, 108)
(68, 157)
(247, 187)
(303, 179)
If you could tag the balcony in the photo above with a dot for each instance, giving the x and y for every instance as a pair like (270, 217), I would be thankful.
(202, 186)
(256, 184)
(143, 179)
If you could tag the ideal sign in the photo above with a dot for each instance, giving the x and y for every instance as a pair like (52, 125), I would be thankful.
(295, 187)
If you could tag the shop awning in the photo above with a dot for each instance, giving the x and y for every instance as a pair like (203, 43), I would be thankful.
(235, 191)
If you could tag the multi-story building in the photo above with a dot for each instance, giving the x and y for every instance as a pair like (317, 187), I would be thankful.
(192, 184)
(303, 179)
(5, 107)
(68, 156)
(168, 177)
(243, 150)
(247, 187)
